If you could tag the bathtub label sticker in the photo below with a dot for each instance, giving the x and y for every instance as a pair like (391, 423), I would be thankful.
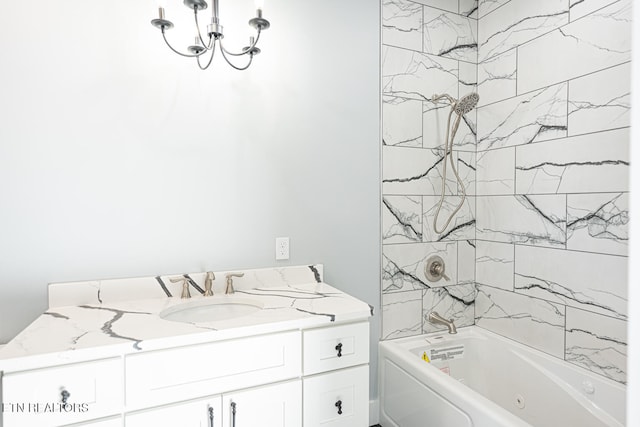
(446, 353)
(425, 357)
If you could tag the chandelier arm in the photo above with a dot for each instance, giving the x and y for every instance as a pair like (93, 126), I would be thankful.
(180, 53)
(231, 64)
(213, 51)
(245, 51)
(211, 44)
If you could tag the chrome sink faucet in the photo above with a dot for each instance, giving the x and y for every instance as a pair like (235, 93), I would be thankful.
(208, 284)
(434, 317)
(230, 276)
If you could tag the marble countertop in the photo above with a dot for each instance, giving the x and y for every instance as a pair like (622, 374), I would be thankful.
(75, 333)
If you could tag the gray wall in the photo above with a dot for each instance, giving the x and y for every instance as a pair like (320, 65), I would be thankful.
(118, 158)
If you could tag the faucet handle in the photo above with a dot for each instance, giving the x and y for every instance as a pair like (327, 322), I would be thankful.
(208, 284)
(229, 277)
(185, 285)
(434, 269)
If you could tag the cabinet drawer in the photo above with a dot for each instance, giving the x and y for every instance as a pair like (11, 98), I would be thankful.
(35, 397)
(164, 376)
(335, 347)
(337, 399)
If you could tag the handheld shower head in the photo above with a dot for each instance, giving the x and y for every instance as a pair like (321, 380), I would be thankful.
(460, 107)
(466, 103)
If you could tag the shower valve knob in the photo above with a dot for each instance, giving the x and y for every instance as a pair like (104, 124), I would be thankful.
(434, 269)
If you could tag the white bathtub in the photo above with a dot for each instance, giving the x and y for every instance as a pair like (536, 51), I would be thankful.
(491, 382)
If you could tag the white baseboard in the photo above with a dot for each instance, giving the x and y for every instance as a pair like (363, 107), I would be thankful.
(374, 412)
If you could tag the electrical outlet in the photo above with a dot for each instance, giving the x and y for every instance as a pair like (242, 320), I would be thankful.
(282, 248)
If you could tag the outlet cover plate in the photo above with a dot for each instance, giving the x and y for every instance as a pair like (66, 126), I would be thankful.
(282, 248)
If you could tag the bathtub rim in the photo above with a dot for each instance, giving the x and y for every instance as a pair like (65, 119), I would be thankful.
(400, 348)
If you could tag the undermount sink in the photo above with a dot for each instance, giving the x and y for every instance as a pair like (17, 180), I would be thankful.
(211, 310)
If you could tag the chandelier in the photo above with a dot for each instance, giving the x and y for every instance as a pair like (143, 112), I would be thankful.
(206, 45)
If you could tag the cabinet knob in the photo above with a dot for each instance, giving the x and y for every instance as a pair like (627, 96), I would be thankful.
(64, 394)
(339, 406)
(339, 349)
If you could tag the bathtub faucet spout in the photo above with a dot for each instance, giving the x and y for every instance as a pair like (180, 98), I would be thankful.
(434, 317)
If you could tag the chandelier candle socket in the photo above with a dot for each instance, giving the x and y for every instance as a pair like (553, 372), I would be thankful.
(207, 45)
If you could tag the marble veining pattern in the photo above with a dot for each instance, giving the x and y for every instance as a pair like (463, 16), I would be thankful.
(495, 264)
(487, 6)
(468, 8)
(450, 35)
(461, 227)
(590, 44)
(536, 322)
(527, 219)
(598, 222)
(466, 262)
(401, 314)
(597, 162)
(448, 5)
(600, 101)
(545, 160)
(434, 123)
(497, 78)
(403, 265)
(495, 171)
(597, 343)
(518, 22)
(401, 122)
(468, 80)
(452, 302)
(98, 292)
(402, 24)
(592, 282)
(134, 325)
(401, 219)
(412, 171)
(532, 117)
(580, 8)
(416, 75)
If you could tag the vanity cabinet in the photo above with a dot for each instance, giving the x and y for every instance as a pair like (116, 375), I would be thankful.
(278, 405)
(336, 376)
(311, 377)
(199, 413)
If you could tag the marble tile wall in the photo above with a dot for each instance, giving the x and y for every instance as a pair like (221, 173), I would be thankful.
(429, 47)
(552, 178)
(538, 251)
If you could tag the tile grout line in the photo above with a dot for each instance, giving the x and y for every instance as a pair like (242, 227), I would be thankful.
(542, 88)
(517, 145)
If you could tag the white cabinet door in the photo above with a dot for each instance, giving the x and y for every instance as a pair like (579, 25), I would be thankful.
(199, 413)
(337, 399)
(278, 405)
(111, 422)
